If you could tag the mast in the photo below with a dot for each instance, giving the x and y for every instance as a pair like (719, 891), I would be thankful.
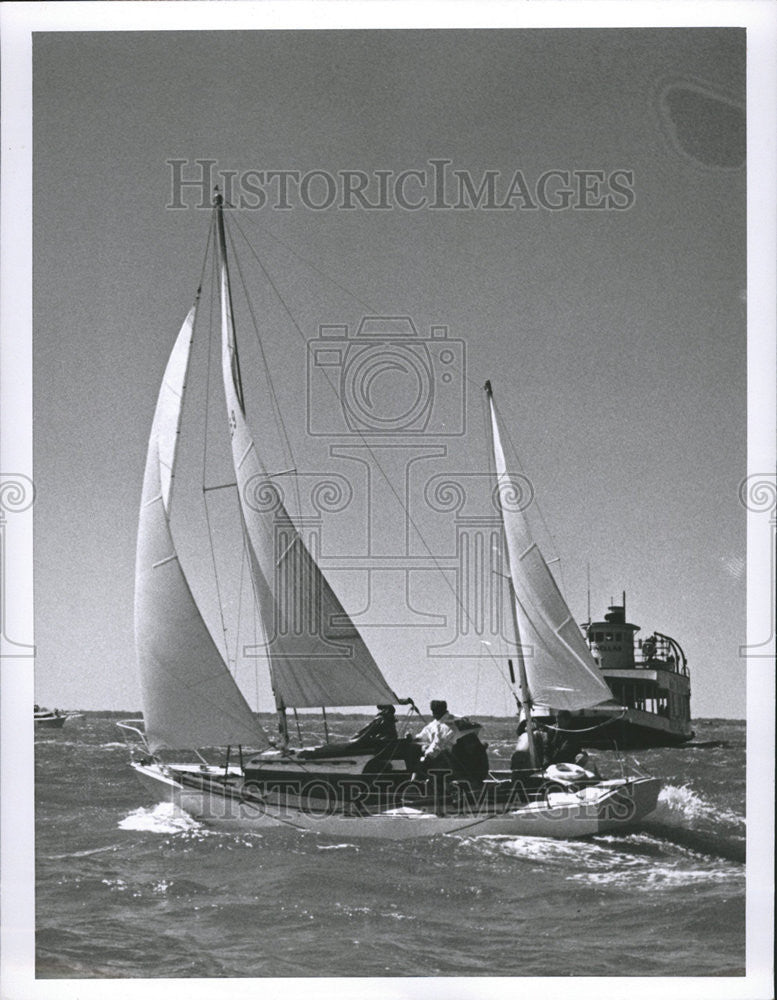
(225, 291)
(588, 582)
(225, 288)
(524, 683)
(283, 725)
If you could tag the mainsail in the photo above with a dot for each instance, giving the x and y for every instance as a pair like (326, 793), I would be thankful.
(317, 656)
(560, 670)
(189, 696)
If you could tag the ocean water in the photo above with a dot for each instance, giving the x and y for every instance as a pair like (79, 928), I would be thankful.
(127, 887)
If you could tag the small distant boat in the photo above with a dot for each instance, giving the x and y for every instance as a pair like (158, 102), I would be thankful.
(650, 685)
(317, 658)
(48, 718)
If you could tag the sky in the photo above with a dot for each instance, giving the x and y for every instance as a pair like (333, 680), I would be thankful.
(615, 337)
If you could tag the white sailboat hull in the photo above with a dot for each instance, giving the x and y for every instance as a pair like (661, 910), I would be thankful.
(606, 806)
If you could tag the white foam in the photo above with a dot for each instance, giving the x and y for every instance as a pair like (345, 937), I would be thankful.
(641, 877)
(163, 818)
(683, 800)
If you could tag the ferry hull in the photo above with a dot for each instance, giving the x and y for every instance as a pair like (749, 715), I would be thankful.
(607, 806)
(633, 731)
(627, 735)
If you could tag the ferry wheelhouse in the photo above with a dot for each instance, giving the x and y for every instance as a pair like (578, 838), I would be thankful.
(650, 684)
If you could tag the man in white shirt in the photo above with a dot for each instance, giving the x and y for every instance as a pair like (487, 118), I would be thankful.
(438, 736)
(453, 744)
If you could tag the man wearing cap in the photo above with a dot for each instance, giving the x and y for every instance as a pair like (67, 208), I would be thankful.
(453, 743)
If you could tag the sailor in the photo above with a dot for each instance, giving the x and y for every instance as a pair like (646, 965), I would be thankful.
(563, 745)
(521, 758)
(381, 729)
(452, 744)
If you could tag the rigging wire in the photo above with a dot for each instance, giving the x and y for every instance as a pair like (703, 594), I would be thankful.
(358, 432)
(305, 261)
(275, 402)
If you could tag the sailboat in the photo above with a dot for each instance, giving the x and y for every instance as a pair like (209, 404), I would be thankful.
(191, 700)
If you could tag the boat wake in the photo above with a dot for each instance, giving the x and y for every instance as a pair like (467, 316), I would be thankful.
(640, 861)
(683, 824)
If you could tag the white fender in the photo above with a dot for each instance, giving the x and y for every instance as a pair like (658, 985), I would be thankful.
(566, 772)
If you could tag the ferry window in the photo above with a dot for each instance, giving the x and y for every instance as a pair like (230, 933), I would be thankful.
(599, 637)
(608, 637)
(616, 636)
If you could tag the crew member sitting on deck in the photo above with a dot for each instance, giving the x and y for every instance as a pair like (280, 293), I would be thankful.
(380, 729)
(378, 737)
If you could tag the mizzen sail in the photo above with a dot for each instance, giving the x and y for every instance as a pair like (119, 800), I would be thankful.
(560, 670)
(317, 656)
(189, 697)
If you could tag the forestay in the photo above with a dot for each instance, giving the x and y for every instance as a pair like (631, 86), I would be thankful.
(189, 697)
(560, 670)
(317, 657)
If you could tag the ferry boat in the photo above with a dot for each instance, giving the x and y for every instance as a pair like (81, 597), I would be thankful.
(650, 685)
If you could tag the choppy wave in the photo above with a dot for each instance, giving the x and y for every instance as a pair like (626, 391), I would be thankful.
(127, 887)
